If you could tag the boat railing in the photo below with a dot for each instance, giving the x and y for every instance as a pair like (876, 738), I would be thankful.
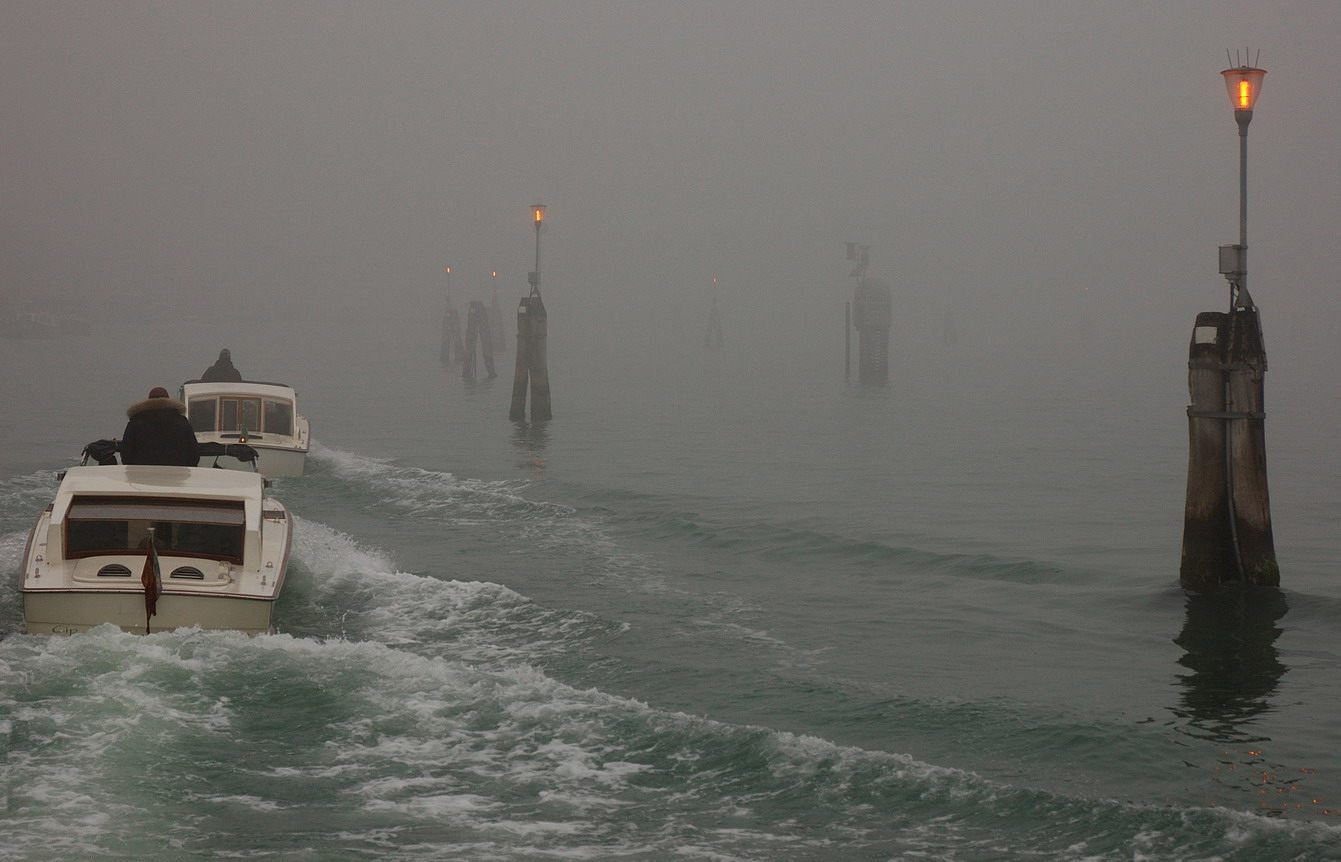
(104, 452)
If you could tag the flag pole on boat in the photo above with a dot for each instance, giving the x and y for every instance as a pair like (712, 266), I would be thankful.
(152, 579)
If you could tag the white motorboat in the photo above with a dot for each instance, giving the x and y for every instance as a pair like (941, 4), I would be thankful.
(221, 545)
(263, 415)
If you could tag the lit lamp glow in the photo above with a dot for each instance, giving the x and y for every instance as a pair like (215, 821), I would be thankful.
(1244, 85)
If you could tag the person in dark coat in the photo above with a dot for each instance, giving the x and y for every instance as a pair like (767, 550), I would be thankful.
(159, 432)
(222, 371)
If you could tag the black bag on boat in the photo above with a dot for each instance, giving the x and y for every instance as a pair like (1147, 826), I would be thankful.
(101, 451)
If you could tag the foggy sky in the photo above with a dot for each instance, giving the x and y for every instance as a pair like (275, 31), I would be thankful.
(1054, 173)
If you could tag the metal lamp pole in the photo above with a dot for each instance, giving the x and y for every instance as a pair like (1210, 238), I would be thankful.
(538, 211)
(1244, 84)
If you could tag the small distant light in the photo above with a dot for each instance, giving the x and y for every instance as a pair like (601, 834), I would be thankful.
(538, 210)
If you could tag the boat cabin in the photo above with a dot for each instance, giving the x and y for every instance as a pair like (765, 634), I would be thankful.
(263, 415)
(97, 526)
(218, 538)
(240, 415)
(222, 524)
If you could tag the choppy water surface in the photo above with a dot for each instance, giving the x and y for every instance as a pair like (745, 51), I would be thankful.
(703, 614)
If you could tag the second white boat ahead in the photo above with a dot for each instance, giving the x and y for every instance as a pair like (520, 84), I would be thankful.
(263, 415)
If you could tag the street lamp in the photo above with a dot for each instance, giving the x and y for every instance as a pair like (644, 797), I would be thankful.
(1244, 84)
(449, 285)
(538, 212)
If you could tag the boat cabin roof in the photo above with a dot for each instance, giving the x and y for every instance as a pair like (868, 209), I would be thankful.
(236, 387)
(204, 483)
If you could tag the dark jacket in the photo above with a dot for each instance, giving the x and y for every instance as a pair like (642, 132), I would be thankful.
(222, 371)
(159, 433)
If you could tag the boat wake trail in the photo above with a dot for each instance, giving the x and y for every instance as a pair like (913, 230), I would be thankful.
(338, 587)
(401, 715)
(338, 749)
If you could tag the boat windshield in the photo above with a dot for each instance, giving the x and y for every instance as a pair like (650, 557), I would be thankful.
(233, 415)
(192, 528)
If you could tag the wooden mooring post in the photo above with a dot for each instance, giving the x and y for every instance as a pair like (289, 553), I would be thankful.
(478, 329)
(450, 350)
(1227, 532)
(532, 364)
(872, 315)
(713, 337)
(496, 324)
(847, 342)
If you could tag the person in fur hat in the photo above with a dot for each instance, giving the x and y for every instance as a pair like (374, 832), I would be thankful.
(159, 432)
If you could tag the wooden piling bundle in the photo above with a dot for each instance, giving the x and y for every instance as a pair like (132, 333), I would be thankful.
(713, 337)
(451, 350)
(873, 313)
(478, 329)
(1227, 533)
(496, 325)
(532, 363)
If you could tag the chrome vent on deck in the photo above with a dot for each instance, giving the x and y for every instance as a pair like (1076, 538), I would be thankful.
(189, 572)
(114, 570)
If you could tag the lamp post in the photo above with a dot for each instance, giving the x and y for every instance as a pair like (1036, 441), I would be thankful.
(1244, 84)
(538, 212)
(532, 331)
(496, 314)
(1227, 533)
(450, 348)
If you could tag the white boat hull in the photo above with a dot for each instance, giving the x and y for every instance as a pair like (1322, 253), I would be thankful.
(270, 460)
(68, 613)
(222, 547)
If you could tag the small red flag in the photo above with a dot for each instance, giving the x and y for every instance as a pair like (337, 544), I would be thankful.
(152, 578)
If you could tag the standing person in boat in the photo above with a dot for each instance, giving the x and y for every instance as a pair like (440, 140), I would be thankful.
(159, 433)
(222, 371)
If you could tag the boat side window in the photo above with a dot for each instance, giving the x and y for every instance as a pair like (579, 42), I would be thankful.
(278, 418)
(203, 413)
(86, 537)
(190, 528)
